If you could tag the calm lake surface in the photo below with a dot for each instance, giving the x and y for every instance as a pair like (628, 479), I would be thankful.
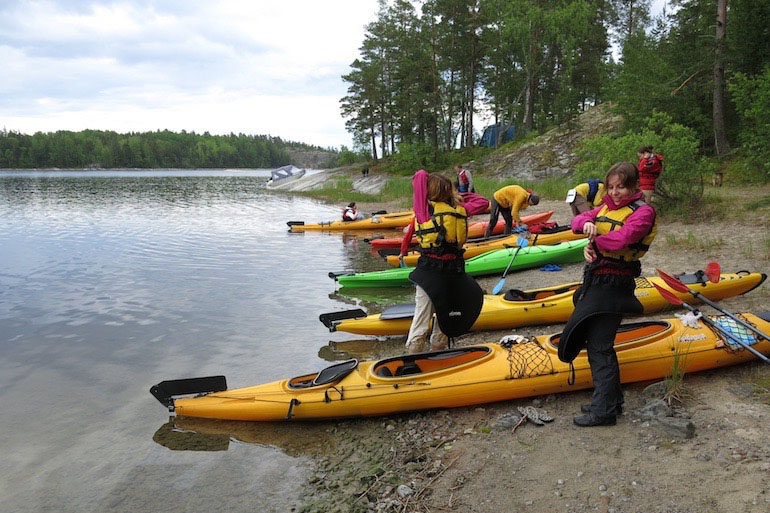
(111, 281)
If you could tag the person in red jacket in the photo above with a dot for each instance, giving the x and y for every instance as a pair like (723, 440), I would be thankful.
(650, 166)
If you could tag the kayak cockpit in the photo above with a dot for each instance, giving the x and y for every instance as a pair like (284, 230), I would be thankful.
(628, 336)
(329, 375)
(422, 363)
(536, 295)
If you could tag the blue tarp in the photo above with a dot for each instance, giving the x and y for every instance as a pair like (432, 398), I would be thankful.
(489, 138)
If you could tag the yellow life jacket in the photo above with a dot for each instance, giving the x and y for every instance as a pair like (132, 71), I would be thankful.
(447, 227)
(608, 220)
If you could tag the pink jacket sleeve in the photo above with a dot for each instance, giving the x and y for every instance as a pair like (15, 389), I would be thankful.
(635, 228)
(407, 240)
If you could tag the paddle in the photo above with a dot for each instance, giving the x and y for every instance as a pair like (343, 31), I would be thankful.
(521, 242)
(671, 298)
(713, 272)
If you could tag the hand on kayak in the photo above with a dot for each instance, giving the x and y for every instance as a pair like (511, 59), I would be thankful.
(401, 262)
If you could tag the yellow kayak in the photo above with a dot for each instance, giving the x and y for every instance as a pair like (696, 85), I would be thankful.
(376, 222)
(472, 249)
(463, 376)
(540, 306)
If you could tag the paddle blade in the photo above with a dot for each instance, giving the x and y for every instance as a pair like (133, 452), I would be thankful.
(713, 272)
(522, 242)
(499, 286)
(673, 282)
(668, 296)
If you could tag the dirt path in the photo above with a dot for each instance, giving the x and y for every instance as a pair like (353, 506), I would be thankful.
(461, 460)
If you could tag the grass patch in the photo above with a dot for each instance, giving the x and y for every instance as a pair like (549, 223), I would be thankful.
(762, 250)
(757, 204)
(675, 387)
(340, 190)
(551, 188)
(692, 242)
(710, 206)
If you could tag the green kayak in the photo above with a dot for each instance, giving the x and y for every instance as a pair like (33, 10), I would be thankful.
(488, 263)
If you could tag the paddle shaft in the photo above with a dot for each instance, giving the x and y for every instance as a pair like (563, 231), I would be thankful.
(725, 333)
(701, 297)
(500, 283)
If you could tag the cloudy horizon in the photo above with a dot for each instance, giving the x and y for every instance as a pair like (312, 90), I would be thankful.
(220, 67)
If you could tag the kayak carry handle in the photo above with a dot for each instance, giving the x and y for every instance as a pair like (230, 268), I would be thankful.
(331, 319)
(334, 276)
(166, 390)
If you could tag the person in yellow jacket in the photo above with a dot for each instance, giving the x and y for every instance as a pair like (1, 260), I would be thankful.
(586, 196)
(507, 202)
(442, 286)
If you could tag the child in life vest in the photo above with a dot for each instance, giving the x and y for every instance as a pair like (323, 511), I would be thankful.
(441, 227)
(620, 233)
(351, 213)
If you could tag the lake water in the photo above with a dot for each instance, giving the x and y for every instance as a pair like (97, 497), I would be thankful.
(112, 281)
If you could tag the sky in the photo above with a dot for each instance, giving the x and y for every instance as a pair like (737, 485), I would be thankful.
(268, 67)
(222, 66)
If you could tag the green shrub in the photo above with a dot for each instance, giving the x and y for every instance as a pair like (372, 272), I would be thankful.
(680, 185)
(752, 101)
(411, 157)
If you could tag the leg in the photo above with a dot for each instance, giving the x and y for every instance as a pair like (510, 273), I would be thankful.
(579, 205)
(506, 213)
(494, 214)
(604, 365)
(438, 339)
(418, 331)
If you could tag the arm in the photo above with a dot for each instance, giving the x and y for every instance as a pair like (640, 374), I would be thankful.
(635, 228)
(579, 221)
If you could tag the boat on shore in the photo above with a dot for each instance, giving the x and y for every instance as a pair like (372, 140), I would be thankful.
(549, 305)
(465, 376)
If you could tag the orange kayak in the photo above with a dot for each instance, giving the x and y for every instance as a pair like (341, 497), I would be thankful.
(475, 230)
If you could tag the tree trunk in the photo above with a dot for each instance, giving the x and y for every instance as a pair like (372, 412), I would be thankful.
(374, 142)
(722, 146)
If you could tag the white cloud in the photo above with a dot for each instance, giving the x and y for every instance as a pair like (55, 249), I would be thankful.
(229, 66)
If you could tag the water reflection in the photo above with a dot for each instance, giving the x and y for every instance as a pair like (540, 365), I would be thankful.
(294, 439)
(362, 349)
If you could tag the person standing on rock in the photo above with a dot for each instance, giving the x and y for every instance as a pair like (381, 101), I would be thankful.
(507, 202)
(620, 233)
(442, 286)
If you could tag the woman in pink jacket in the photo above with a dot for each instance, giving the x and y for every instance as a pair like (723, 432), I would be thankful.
(620, 233)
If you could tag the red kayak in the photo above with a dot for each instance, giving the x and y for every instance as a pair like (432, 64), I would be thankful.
(475, 230)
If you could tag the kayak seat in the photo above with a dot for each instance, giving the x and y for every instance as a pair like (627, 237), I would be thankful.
(384, 371)
(407, 369)
(521, 295)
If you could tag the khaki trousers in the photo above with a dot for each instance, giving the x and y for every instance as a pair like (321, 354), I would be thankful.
(416, 341)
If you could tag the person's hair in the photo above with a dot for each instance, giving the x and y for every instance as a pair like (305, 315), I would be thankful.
(352, 204)
(644, 149)
(626, 171)
(440, 189)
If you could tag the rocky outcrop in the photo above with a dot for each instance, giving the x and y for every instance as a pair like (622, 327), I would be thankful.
(312, 159)
(553, 153)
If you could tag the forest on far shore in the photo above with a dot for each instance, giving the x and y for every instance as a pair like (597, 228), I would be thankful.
(160, 149)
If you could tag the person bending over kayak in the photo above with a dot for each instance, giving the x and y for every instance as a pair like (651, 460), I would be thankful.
(620, 233)
(442, 287)
(586, 196)
(507, 202)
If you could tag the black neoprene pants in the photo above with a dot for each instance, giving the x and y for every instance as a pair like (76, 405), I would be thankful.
(604, 363)
(495, 211)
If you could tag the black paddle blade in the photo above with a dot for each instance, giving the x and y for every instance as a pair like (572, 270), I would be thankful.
(386, 252)
(295, 223)
(334, 275)
(166, 390)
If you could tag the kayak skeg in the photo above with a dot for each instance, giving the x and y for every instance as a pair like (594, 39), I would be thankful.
(376, 222)
(492, 262)
(549, 305)
(469, 375)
